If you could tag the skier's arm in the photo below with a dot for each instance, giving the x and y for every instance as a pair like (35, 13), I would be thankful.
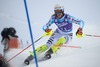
(77, 21)
(79, 32)
(51, 21)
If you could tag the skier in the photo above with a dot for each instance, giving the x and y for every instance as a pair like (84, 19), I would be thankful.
(63, 34)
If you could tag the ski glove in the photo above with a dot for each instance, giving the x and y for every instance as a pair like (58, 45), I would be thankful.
(79, 32)
(49, 32)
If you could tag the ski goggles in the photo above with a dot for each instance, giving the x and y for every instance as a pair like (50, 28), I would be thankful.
(58, 13)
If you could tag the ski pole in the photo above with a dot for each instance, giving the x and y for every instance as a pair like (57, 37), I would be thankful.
(92, 35)
(79, 36)
(72, 46)
(25, 49)
(45, 34)
(68, 46)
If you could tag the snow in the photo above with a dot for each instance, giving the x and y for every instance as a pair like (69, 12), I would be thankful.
(87, 56)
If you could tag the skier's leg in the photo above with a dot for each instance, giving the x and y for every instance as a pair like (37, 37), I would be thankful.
(38, 51)
(52, 41)
(58, 44)
(49, 43)
(65, 39)
(41, 49)
(55, 47)
(68, 38)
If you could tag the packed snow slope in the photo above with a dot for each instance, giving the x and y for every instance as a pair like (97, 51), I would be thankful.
(86, 56)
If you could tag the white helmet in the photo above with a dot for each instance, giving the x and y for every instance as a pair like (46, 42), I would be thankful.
(59, 7)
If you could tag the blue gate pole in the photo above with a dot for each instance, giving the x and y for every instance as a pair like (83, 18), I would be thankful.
(36, 61)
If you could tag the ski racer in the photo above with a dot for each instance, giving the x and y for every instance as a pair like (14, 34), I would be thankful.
(64, 22)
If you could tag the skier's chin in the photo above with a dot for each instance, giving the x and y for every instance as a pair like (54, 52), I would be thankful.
(60, 16)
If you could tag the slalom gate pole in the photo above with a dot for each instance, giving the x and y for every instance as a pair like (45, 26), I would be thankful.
(36, 61)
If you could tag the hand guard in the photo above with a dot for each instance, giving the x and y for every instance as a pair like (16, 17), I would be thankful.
(79, 32)
(49, 32)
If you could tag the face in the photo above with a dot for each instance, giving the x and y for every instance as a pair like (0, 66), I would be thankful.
(59, 13)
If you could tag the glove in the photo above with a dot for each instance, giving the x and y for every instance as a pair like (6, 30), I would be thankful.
(48, 30)
(79, 32)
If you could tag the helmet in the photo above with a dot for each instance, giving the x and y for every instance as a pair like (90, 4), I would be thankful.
(58, 7)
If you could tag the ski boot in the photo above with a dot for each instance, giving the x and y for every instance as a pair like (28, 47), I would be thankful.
(55, 48)
(48, 54)
(27, 62)
(38, 51)
(28, 59)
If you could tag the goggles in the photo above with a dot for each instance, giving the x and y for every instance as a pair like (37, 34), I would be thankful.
(58, 13)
